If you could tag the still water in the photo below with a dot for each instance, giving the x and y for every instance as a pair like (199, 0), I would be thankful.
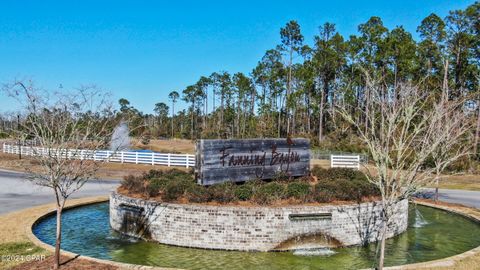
(432, 234)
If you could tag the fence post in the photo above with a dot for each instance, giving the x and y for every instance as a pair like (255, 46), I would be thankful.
(187, 160)
(136, 157)
(153, 158)
(94, 155)
(121, 156)
(168, 160)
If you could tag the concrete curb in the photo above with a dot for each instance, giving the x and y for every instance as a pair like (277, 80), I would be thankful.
(445, 262)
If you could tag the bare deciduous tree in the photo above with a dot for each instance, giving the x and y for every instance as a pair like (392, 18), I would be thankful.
(406, 128)
(63, 124)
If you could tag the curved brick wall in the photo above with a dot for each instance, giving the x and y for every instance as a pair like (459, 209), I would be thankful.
(251, 228)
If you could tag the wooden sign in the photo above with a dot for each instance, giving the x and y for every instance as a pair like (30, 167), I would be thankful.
(220, 161)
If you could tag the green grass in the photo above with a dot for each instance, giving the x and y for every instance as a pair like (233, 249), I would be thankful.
(15, 253)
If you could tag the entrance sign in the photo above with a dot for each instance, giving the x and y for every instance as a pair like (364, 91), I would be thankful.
(220, 161)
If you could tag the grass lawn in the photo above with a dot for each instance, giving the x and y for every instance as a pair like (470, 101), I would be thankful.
(466, 182)
(18, 252)
(166, 146)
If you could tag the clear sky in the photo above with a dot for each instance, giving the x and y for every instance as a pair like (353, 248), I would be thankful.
(142, 50)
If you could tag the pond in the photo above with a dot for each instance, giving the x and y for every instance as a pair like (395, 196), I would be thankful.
(432, 234)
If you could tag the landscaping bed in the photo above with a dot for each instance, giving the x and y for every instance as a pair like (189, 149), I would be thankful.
(322, 186)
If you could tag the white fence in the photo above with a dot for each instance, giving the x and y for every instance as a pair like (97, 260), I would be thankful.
(326, 155)
(151, 158)
(350, 161)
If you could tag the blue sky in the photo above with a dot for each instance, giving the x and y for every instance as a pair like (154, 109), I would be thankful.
(142, 50)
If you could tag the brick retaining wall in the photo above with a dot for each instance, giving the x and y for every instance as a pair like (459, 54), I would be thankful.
(252, 228)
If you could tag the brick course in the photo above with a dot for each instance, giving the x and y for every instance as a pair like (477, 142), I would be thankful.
(251, 228)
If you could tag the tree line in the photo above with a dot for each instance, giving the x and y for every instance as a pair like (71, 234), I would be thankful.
(295, 86)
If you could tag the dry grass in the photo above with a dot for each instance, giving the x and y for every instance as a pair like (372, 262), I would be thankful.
(166, 146)
(109, 170)
(464, 181)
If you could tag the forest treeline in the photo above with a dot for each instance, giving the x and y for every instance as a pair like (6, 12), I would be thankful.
(295, 86)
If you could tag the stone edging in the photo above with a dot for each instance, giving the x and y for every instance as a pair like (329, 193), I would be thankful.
(445, 262)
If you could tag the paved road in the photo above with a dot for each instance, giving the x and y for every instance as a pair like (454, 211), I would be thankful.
(18, 193)
(465, 197)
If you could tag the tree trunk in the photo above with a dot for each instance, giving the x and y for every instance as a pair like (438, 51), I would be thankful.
(58, 237)
(477, 132)
(222, 111)
(192, 130)
(205, 119)
(320, 120)
(382, 246)
(173, 115)
(445, 80)
(367, 104)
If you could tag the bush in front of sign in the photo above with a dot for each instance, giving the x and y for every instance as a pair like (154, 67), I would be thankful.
(244, 192)
(298, 190)
(338, 173)
(222, 193)
(269, 192)
(341, 184)
(197, 194)
(326, 185)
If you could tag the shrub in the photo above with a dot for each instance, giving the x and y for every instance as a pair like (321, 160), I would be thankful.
(337, 173)
(333, 184)
(198, 194)
(244, 192)
(281, 177)
(269, 193)
(151, 190)
(152, 174)
(223, 192)
(133, 183)
(298, 190)
(321, 195)
(176, 188)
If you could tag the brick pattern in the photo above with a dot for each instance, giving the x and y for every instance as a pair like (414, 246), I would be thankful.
(248, 228)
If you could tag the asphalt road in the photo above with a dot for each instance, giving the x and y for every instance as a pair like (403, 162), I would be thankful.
(16, 192)
(465, 197)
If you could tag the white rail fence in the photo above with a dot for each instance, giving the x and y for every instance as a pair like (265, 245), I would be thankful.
(345, 161)
(151, 158)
